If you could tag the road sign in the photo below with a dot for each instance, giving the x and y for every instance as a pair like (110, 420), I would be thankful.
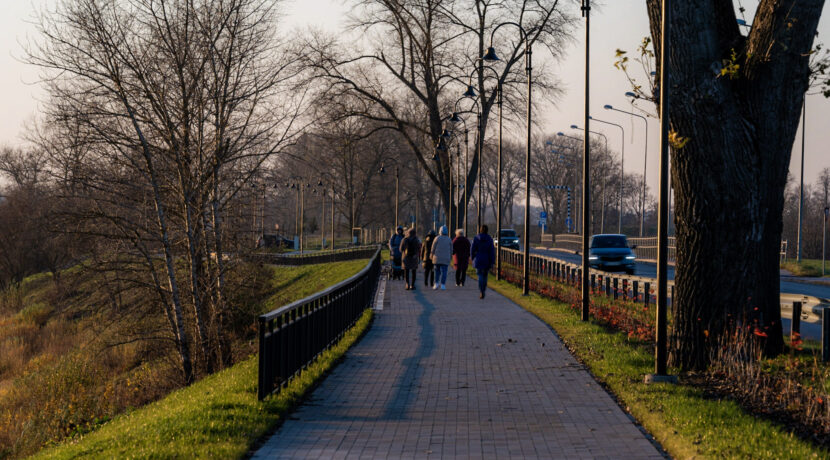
(542, 223)
(568, 223)
(543, 215)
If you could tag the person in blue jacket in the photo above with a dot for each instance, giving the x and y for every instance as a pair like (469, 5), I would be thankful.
(483, 253)
(395, 246)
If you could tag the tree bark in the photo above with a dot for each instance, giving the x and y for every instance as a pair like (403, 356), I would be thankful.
(730, 176)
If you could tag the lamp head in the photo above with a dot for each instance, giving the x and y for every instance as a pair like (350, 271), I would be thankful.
(455, 118)
(607, 107)
(382, 169)
(490, 55)
(470, 91)
(560, 133)
(574, 127)
(442, 145)
(548, 143)
(630, 94)
(445, 134)
(320, 182)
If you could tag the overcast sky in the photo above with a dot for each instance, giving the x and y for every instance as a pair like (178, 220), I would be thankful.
(617, 24)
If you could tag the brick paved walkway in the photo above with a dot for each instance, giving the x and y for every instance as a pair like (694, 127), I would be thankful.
(442, 374)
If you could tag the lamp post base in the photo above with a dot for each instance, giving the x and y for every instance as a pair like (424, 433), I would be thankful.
(657, 378)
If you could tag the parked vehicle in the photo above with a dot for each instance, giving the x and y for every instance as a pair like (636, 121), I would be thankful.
(610, 252)
(508, 239)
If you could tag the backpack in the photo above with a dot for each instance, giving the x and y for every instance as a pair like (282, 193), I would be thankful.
(411, 248)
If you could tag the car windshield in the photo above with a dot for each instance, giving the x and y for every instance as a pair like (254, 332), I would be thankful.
(508, 233)
(609, 241)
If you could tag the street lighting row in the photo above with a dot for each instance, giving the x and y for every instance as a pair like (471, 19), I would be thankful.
(491, 56)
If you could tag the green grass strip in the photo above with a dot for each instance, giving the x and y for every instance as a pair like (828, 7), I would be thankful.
(216, 417)
(681, 418)
(807, 267)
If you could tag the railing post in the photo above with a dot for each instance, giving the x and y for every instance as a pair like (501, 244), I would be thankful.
(635, 285)
(825, 334)
(261, 371)
(607, 286)
(616, 288)
(625, 289)
(795, 324)
(593, 281)
(647, 293)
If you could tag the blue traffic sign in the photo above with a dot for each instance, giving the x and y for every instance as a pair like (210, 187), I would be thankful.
(543, 215)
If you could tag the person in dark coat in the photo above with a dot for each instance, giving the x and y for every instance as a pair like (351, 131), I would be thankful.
(484, 256)
(460, 256)
(411, 252)
(395, 244)
(426, 258)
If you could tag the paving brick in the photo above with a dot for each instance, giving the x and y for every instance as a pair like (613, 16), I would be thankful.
(442, 374)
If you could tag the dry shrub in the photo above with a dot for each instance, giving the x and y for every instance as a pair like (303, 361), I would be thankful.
(11, 301)
(51, 400)
(789, 389)
(37, 313)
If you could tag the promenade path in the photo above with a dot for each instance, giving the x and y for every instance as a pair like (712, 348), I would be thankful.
(442, 374)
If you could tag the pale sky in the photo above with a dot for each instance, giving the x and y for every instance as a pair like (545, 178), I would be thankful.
(617, 24)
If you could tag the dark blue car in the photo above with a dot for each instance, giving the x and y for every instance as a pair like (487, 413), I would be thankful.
(508, 239)
(612, 253)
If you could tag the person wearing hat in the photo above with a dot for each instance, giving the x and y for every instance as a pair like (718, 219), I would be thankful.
(441, 257)
(484, 256)
(395, 247)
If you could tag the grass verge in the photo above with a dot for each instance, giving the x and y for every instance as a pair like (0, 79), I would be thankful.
(807, 267)
(217, 417)
(686, 421)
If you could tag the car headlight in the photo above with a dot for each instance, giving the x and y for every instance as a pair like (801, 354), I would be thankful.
(593, 257)
(630, 257)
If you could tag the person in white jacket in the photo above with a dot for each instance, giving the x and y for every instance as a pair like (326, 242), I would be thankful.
(441, 257)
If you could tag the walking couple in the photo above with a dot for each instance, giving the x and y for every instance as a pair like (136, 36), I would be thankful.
(439, 251)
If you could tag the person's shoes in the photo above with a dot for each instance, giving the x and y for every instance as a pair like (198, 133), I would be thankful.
(435, 286)
(443, 287)
(412, 288)
(481, 296)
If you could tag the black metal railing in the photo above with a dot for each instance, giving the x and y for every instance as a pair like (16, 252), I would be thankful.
(291, 337)
(320, 257)
(629, 287)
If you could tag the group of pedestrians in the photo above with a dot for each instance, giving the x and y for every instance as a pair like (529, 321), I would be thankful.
(437, 252)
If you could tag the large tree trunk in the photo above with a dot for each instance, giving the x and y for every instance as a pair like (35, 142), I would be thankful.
(730, 177)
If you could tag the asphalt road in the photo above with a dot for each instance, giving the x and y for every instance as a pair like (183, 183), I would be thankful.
(809, 328)
(649, 270)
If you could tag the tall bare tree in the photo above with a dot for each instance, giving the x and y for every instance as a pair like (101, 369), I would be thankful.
(417, 63)
(176, 103)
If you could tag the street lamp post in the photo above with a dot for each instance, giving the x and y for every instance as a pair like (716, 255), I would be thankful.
(661, 349)
(382, 171)
(622, 170)
(824, 241)
(332, 217)
(322, 214)
(801, 185)
(605, 138)
(586, 172)
(491, 56)
(576, 198)
(645, 162)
